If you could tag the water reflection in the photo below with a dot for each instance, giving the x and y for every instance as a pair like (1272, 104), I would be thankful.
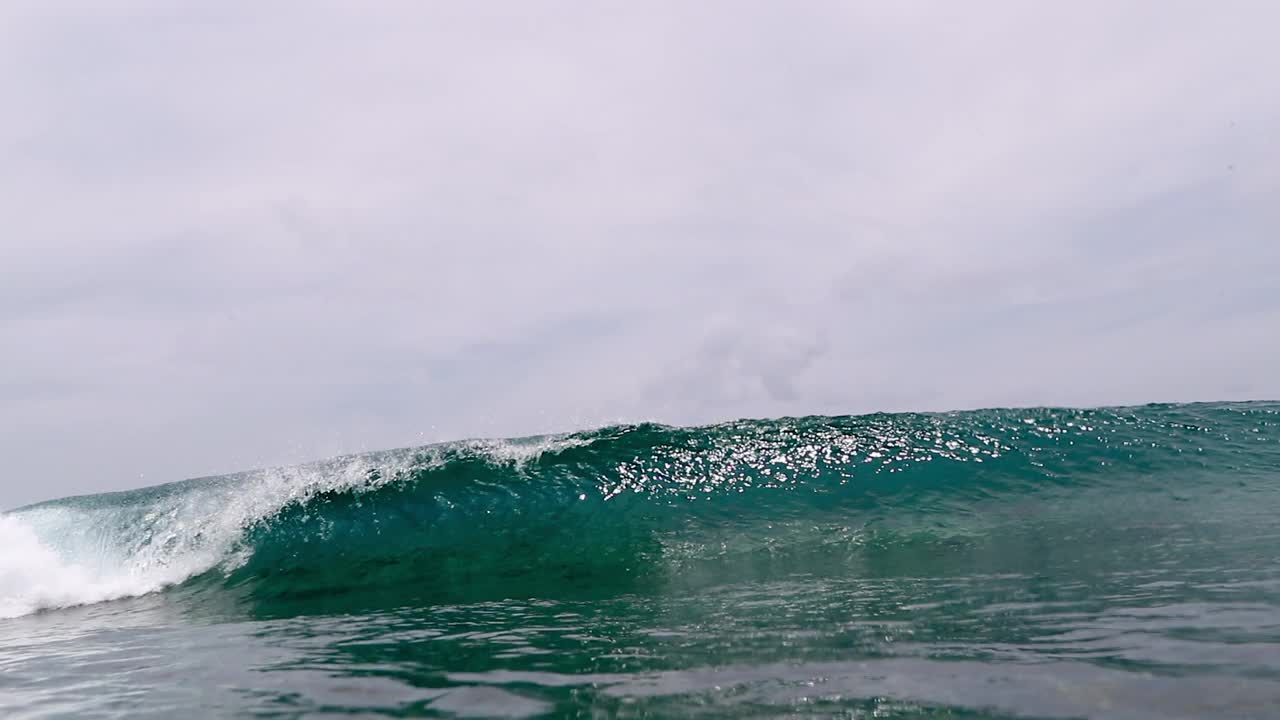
(1136, 639)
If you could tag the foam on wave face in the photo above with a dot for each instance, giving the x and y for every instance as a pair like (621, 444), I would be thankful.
(98, 548)
(34, 577)
(84, 550)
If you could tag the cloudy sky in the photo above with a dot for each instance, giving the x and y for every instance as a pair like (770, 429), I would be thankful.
(238, 234)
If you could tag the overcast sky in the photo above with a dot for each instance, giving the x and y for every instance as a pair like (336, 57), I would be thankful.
(239, 234)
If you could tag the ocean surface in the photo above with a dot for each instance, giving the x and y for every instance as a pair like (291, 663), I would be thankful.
(1046, 563)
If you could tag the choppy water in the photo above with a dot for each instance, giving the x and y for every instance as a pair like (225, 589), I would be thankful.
(1117, 563)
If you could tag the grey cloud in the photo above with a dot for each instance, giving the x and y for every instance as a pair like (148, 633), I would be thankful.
(238, 234)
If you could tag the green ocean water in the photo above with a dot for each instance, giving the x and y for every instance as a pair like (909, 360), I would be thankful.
(1044, 563)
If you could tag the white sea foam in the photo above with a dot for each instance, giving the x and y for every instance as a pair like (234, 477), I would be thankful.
(87, 550)
(33, 576)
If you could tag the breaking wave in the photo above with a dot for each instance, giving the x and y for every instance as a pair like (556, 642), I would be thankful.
(636, 509)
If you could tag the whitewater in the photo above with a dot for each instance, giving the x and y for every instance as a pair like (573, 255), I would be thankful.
(90, 549)
(1113, 562)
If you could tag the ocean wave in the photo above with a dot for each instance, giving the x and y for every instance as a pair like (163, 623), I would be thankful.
(637, 508)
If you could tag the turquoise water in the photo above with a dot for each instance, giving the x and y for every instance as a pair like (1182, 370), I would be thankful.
(1117, 563)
